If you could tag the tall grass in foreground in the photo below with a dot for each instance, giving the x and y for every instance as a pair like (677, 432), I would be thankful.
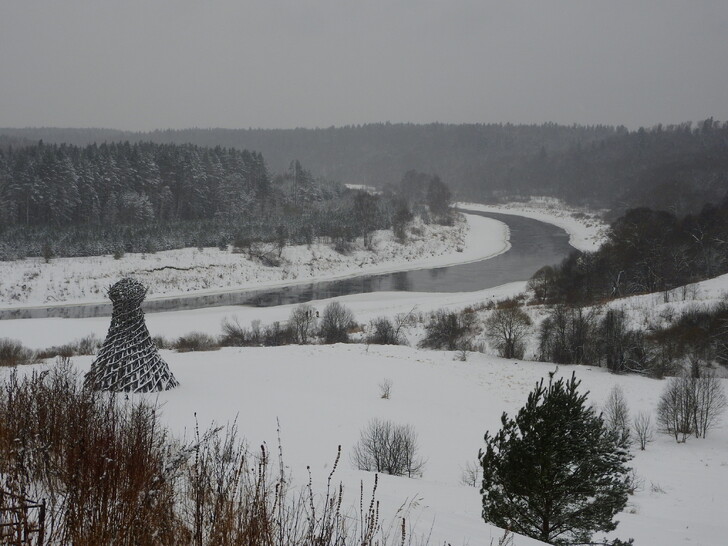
(111, 474)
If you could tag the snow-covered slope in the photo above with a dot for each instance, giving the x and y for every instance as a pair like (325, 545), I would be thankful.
(324, 395)
(69, 280)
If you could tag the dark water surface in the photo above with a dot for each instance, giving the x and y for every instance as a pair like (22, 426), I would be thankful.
(533, 245)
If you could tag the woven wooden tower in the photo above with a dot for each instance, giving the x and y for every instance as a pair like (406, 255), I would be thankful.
(129, 361)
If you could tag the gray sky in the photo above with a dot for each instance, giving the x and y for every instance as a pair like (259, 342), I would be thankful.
(148, 64)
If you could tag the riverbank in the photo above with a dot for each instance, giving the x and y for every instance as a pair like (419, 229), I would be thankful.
(587, 231)
(63, 281)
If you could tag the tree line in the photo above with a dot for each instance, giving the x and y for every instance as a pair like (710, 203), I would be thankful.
(64, 200)
(677, 167)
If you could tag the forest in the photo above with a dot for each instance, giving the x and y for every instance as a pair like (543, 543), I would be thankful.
(673, 167)
(646, 251)
(66, 200)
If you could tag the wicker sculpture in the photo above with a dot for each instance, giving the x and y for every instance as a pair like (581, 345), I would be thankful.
(128, 361)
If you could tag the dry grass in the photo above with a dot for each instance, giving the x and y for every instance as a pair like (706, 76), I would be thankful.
(111, 474)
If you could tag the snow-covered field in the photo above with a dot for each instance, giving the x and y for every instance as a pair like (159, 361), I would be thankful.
(177, 272)
(324, 395)
(586, 229)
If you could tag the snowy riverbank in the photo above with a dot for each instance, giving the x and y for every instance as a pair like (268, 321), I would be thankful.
(181, 272)
(586, 229)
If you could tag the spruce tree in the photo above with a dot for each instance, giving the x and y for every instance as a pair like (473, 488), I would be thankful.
(555, 472)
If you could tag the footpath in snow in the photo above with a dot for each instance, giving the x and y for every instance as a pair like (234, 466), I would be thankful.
(31, 281)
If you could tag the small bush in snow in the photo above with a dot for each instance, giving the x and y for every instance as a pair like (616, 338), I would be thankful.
(389, 448)
(385, 389)
(336, 321)
(383, 332)
(277, 334)
(161, 342)
(235, 334)
(196, 341)
(85, 346)
(447, 330)
(642, 426)
(472, 474)
(13, 353)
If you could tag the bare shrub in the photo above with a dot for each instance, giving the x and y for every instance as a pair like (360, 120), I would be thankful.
(472, 474)
(635, 482)
(196, 341)
(383, 331)
(389, 448)
(99, 464)
(110, 474)
(507, 327)
(691, 404)
(447, 330)
(385, 389)
(616, 414)
(235, 334)
(303, 322)
(13, 353)
(161, 342)
(277, 334)
(85, 346)
(642, 427)
(336, 321)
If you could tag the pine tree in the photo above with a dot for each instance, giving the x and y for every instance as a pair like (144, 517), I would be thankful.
(556, 472)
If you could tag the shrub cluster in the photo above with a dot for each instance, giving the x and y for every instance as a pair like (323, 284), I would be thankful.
(13, 353)
(448, 330)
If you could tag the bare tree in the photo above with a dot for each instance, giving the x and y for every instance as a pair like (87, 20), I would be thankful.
(710, 402)
(507, 328)
(389, 448)
(616, 413)
(642, 426)
(691, 404)
(674, 408)
(303, 322)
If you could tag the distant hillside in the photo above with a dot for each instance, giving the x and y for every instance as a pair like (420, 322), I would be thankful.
(679, 167)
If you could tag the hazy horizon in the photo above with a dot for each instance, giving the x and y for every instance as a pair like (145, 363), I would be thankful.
(179, 64)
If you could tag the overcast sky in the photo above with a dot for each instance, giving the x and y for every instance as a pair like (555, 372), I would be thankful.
(141, 65)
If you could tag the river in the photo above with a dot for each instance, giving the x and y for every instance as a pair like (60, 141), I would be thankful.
(533, 245)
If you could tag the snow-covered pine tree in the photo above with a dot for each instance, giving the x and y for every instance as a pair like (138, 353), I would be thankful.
(128, 360)
(556, 472)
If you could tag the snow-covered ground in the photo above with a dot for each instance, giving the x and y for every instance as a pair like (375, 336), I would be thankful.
(178, 272)
(324, 395)
(586, 229)
(46, 332)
